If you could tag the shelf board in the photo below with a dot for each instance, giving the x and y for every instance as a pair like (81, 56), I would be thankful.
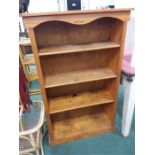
(65, 103)
(77, 48)
(25, 42)
(81, 127)
(29, 61)
(75, 77)
(32, 76)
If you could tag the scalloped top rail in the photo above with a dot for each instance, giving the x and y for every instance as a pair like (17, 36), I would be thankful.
(31, 20)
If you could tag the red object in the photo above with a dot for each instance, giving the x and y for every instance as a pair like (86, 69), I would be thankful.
(24, 96)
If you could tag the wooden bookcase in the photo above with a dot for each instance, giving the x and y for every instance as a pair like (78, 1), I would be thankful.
(78, 56)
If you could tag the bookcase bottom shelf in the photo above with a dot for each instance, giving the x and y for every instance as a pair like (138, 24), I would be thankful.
(81, 127)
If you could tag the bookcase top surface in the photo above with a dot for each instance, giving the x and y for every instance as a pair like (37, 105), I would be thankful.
(76, 12)
(78, 17)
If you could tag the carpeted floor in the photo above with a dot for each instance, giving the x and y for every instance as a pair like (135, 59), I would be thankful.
(106, 144)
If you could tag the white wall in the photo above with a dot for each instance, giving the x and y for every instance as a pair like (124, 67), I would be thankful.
(56, 5)
(43, 6)
(130, 35)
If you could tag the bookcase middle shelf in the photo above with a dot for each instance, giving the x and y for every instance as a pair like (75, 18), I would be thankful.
(75, 77)
(81, 100)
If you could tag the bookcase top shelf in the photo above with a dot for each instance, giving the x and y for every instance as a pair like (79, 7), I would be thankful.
(77, 48)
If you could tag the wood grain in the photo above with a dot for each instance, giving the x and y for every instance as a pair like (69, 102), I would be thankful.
(41, 83)
(26, 60)
(80, 127)
(78, 77)
(65, 63)
(25, 42)
(32, 76)
(77, 101)
(77, 48)
(72, 34)
(29, 61)
(75, 17)
(61, 43)
(76, 88)
(77, 12)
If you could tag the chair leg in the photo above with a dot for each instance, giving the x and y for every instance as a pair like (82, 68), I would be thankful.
(128, 107)
(21, 125)
(37, 152)
(42, 151)
(41, 143)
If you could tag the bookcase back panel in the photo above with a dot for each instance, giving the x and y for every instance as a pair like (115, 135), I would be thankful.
(76, 88)
(78, 113)
(74, 62)
(113, 60)
(56, 33)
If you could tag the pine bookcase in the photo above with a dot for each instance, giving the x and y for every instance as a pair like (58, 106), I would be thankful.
(78, 56)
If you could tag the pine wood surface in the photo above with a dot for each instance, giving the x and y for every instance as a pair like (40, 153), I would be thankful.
(77, 48)
(80, 127)
(78, 77)
(78, 56)
(82, 100)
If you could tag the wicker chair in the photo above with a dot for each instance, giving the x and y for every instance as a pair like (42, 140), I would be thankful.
(30, 139)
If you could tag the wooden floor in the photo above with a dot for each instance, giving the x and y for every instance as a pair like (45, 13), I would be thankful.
(80, 127)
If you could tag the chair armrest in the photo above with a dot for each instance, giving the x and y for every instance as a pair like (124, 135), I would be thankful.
(40, 122)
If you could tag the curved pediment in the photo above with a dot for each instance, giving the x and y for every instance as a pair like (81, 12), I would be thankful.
(80, 21)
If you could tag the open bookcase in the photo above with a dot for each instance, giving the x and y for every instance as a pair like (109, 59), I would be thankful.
(78, 56)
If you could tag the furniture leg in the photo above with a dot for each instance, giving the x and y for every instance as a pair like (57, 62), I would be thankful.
(128, 106)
